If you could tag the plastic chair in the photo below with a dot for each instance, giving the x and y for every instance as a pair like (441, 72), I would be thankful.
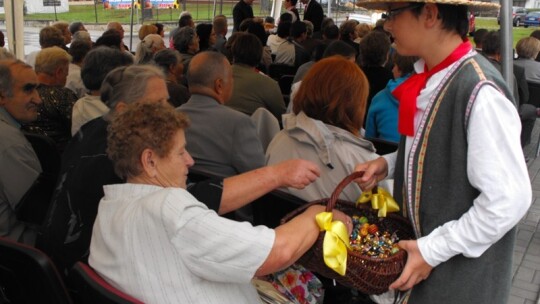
(269, 209)
(266, 124)
(27, 275)
(276, 70)
(34, 204)
(88, 287)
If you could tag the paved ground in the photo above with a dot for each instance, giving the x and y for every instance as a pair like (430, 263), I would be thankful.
(526, 274)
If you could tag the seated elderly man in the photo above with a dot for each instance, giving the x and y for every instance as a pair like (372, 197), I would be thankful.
(19, 102)
(153, 215)
(54, 116)
(86, 169)
(222, 141)
(252, 90)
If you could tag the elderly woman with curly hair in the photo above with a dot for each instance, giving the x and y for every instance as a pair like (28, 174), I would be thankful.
(153, 240)
(328, 113)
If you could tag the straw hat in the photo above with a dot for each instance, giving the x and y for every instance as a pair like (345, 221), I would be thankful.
(383, 4)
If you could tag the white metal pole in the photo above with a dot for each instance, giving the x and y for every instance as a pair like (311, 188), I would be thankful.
(507, 56)
(15, 27)
(276, 9)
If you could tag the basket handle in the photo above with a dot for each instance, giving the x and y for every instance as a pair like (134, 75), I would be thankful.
(344, 183)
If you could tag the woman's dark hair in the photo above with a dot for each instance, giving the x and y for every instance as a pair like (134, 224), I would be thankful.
(404, 63)
(245, 24)
(165, 58)
(185, 20)
(284, 29)
(110, 38)
(78, 50)
(491, 45)
(204, 30)
(374, 48)
(99, 62)
(340, 48)
(257, 29)
(285, 17)
(159, 28)
(247, 49)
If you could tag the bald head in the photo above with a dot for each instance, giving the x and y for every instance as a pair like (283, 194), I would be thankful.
(113, 25)
(210, 74)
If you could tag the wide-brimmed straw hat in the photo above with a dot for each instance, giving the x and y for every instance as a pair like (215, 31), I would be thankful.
(383, 4)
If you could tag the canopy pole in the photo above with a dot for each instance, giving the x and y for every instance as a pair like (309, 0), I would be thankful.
(15, 27)
(507, 55)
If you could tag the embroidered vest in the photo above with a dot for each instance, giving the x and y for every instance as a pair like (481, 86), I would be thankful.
(439, 191)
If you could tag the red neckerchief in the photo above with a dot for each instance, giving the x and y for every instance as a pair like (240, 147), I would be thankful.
(409, 90)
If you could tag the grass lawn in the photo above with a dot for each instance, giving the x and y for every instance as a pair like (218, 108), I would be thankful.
(491, 24)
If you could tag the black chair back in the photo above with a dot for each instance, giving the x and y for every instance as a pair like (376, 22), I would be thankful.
(383, 146)
(33, 206)
(269, 209)
(534, 93)
(285, 83)
(276, 70)
(27, 275)
(88, 287)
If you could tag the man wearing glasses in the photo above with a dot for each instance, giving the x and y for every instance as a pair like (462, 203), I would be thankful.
(460, 174)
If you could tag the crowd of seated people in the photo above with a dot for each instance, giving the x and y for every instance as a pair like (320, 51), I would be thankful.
(84, 95)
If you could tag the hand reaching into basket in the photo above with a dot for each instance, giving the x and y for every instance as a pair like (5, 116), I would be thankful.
(296, 173)
(416, 269)
(374, 172)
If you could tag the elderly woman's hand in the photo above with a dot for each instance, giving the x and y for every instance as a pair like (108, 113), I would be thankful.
(296, 173)
(345, 219)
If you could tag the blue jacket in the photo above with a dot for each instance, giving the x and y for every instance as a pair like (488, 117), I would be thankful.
(382, 118)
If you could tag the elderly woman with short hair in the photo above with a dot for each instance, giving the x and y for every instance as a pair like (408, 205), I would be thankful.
(186, 42)
(171, 64)
(148, 46)
(328, 113)
(153, 240)
(527, 49)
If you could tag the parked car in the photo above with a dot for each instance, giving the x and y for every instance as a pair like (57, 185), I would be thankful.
(518, 15)
(532, 19)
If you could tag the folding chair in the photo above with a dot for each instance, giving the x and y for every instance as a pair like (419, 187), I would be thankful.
(88, 287)
(27, 275)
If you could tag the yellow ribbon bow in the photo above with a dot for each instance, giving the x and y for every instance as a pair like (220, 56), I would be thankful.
(336, 241)
(382, 201)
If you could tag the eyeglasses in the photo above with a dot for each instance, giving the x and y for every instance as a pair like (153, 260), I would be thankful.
(392, 13)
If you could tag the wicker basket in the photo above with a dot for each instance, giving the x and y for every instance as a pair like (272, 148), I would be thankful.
(367, 274)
